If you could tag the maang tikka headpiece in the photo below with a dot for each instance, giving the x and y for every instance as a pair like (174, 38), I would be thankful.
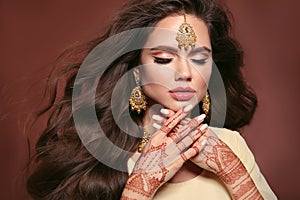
(186, 35)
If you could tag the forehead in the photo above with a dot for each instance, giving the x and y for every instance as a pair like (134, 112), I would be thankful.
(166, 31)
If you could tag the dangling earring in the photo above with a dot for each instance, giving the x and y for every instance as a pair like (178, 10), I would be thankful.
(206, 103)
(137, 98)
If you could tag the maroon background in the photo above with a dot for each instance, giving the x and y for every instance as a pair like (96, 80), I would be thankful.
(34, 33)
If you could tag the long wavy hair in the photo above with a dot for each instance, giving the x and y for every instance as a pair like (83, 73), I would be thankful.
(61, 167)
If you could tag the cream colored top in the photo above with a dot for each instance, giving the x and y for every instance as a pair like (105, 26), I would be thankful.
(207, 185)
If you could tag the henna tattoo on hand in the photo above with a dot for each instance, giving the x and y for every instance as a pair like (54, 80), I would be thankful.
(220, 159)
(146, 184)
(145, 180)
(247, 190)
(157, 164)
(171, 122)
(156, 148)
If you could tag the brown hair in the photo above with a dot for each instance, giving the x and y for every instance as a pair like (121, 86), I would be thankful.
(62, 168)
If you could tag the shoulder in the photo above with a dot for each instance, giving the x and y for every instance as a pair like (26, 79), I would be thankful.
(226, 135)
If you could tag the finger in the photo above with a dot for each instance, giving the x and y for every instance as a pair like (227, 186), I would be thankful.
(185, 130)
(175, 119)
(194, 150)
(167, 112)
(203, 128)
(191, 138)
(199, 145)
(159, 119)
(185, 121)
(196, 121)
(176, 128)
(201, 142)
(156, 126)
(184, 157)
(188, 154)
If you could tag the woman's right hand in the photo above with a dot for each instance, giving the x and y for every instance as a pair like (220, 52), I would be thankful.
(163, 156)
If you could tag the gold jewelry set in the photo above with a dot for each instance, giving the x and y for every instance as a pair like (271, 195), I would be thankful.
(185, 37)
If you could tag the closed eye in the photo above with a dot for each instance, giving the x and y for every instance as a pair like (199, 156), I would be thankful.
(162, 60)
(200, 61)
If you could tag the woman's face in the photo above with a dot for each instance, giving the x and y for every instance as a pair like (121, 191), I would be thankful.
(174, 76)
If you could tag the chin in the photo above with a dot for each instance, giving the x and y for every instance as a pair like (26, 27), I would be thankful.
(180, 104)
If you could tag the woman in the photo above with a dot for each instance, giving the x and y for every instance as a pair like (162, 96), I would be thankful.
(178, 67)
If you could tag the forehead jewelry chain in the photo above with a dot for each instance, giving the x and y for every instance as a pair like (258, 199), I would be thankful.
(186, 35)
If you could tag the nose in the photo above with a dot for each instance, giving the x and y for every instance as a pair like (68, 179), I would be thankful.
(183, 70)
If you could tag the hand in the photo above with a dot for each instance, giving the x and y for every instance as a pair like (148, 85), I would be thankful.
(164, 155)
(216, 156)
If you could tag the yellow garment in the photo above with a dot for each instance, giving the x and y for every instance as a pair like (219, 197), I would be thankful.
(207, 186)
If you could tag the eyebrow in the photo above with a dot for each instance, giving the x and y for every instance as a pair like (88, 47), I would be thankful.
(174, 50)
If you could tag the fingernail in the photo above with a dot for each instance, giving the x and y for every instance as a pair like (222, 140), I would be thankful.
(157, 126)
(188, 108)
(204, 142)
(203, 127)
(164, 111)
(157, 117)
(201, 117)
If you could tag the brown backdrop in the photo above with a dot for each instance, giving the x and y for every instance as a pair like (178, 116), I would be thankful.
(33, 33)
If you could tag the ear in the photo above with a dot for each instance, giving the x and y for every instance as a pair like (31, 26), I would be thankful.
(136, 74)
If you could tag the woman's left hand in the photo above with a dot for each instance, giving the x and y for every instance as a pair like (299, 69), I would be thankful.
(217, 157)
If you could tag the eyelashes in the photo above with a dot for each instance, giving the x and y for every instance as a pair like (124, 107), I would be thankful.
(165, 61)
(200, 61)
(162, 61)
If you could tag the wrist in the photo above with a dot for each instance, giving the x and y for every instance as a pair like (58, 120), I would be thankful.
(139, 187)
(232, 172)
(239, 182)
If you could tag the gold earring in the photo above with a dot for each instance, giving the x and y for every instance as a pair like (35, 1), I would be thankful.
(145, 140)
(137, 100)
(186, 35)
(206, 103)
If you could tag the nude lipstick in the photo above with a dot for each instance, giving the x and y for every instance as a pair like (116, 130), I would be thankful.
(182, 94)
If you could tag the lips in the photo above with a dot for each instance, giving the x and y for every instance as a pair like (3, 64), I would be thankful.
(182, 94)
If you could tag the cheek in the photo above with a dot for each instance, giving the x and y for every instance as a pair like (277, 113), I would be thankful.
(152, 81)
(157, 76)
(157, 93)
(157, 81)
(153, 90)
(201, 87)
(200, 81)
(203, 73)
